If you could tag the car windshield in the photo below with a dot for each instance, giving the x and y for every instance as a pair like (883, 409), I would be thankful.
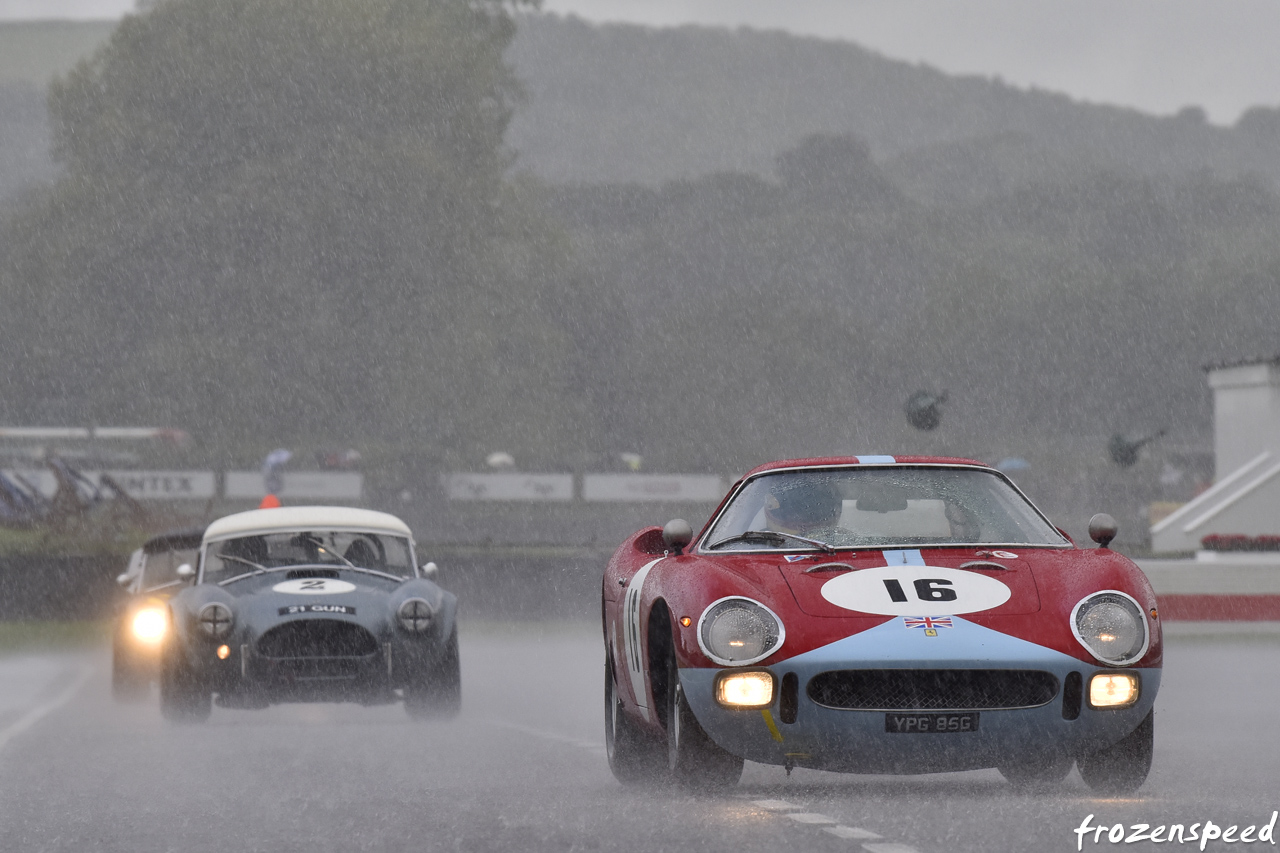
(383, 552)
(161, 569)
(888, 507)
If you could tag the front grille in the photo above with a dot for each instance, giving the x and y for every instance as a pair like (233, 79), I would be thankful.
(317, 638)
(932, 689)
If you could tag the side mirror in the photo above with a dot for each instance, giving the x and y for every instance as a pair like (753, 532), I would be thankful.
(430, 570)
(1102, 529)
(123, 579)
(677, 534)
(186, 572)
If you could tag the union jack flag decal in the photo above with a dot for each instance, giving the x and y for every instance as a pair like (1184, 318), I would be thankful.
(927, 622)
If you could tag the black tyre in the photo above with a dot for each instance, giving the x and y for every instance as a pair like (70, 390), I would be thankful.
(1122, 767)
(635, 757)
(183, 697)
(1037, 774)
(129, 681)
(437, 695)
(694, 760)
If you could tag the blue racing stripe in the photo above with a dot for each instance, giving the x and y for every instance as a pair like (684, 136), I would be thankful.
(903, 558)
(875, 460)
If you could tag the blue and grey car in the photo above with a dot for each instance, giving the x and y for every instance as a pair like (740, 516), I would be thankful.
(310, 604)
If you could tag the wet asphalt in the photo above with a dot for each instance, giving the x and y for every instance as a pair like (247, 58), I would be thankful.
(523, 769)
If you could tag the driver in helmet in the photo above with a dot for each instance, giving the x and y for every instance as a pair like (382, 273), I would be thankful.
(806, 509)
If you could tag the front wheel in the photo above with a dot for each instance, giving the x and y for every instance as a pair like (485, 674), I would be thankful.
(183, 697)
(438, 696)
(1122, 767)
(694, 760)
(635, 758)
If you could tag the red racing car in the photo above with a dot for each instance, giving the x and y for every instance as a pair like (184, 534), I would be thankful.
(878, 614)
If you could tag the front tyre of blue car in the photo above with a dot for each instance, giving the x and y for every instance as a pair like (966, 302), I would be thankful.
(184, 697)
(635, 758)
(1122, 767)
(694, 760)
(436, 692)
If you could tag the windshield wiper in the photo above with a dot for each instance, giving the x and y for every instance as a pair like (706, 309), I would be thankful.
(773, 536)
(292, 566)
(250, 563)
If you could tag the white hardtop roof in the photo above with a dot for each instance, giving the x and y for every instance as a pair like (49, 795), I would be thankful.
(305, 518)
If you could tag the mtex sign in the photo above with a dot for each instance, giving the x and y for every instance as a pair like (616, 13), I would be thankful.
(140, 485)
(166, 485)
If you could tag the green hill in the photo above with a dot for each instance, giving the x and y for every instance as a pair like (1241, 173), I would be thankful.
(628, 103)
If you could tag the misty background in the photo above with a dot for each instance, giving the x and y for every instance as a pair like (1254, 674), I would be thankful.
(435, 232)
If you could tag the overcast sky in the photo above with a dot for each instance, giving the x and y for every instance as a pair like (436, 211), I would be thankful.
(1157, 55)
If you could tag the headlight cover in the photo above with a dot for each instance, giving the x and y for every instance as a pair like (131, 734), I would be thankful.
(416, 615)
(215, 620)
(150, 624)
(1111, 625)
(738, 631)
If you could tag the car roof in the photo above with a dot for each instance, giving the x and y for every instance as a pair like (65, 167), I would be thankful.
(832, 461)
(180, 539)
(305, 518)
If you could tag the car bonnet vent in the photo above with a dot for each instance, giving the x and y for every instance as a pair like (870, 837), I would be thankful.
(295, 574)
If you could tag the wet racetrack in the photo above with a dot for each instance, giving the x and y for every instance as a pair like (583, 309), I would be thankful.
(523, 769)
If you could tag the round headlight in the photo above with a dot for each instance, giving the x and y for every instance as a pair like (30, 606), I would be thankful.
(149, 624)
(1111, 625)
(737, 631)
(416, 615)
(215, 620)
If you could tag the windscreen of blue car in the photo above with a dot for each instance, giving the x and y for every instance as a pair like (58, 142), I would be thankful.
(227, 558)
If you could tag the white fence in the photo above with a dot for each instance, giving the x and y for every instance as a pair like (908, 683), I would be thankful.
(349, 486)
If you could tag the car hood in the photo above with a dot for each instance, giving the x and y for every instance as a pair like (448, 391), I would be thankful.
(913, 583)
(265, 599)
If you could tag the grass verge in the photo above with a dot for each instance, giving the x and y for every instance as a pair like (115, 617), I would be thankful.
(18, 637)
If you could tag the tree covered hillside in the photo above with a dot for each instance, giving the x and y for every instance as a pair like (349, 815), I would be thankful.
(290, 219)
(800, 314)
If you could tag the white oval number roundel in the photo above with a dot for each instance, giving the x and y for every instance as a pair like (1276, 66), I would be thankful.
(313, 586)
(915, 591)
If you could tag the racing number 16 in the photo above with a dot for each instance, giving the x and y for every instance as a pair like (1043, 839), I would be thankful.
(927, 589)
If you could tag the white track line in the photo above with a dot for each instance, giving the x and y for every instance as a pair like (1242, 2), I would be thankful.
(852, 833)
(812, 818)
(34, 716)
(830, 825)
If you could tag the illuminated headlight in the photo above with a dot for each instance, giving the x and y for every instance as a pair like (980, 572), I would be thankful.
(1113, 690)
(736, 631)
(215, 620)
(1111, 625)
(745, 689)
(149, 624)
(416, 615)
